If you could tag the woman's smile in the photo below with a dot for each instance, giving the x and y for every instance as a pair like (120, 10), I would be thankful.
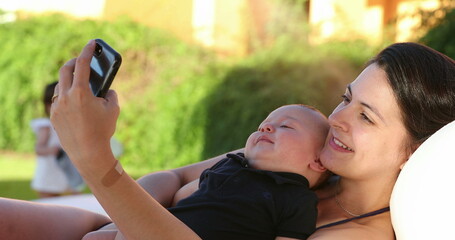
(338, 145)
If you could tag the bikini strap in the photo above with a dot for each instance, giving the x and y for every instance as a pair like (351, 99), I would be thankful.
(373, 213)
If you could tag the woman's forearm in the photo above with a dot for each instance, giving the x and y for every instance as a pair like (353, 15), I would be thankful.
(29, 220)
(135, 212)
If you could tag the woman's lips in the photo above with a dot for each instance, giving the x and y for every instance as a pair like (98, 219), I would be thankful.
(339, 146)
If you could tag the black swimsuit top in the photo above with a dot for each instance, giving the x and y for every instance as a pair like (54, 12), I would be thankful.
(382, 210)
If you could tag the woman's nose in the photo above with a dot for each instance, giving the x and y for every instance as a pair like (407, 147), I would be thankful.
(339, 118)
(266, 128)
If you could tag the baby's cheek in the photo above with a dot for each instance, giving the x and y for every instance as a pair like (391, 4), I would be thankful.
(249, 145)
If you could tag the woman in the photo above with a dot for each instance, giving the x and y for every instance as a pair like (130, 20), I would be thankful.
(382, 119)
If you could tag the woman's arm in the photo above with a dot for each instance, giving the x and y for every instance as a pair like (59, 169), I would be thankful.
(168, 187)
(85, 125)
(28, 220)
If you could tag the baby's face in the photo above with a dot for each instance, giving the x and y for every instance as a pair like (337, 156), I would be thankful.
(288, 140)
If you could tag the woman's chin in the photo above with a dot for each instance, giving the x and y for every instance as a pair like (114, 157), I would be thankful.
(326, 158)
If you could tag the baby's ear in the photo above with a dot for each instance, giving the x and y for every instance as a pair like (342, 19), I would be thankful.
(317, 166)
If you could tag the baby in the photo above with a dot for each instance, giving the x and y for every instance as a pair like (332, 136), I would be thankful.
(264, 193)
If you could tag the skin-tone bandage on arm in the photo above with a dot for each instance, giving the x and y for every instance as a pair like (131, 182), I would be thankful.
(112, 175)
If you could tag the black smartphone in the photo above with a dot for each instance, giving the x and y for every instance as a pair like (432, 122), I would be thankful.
(103, 67)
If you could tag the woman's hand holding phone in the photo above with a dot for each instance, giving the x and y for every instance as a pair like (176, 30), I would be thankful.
(84, 123)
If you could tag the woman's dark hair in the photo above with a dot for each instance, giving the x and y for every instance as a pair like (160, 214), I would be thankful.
(423, 81)
(48, 93)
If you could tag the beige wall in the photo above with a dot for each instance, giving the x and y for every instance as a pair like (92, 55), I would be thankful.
(79, 8)
(172, 15)
(366, 19)
(217, 24)
(221, 25)
(229, 26)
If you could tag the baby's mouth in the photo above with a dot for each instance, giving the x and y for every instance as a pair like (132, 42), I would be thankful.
(263, 139)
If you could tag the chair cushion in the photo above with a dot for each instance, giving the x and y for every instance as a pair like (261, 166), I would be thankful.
(423, 199)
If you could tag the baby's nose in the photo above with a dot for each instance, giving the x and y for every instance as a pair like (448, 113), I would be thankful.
(266, 128)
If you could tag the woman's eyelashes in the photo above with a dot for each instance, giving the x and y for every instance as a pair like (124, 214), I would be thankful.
(366, 118)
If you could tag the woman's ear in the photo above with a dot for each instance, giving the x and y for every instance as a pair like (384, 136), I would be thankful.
(412, 149)
(402, 165)
(406, 160)
(317, 166)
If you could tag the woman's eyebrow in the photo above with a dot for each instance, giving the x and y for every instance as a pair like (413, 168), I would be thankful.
(373, 109)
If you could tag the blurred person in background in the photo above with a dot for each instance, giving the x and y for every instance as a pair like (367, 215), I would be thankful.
(54, 173)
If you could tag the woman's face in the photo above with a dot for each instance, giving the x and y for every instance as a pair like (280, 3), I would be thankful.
(367, 137)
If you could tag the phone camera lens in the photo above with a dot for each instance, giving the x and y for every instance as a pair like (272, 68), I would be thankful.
(98, 50)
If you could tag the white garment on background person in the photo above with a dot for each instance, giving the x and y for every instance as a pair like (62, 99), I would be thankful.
(49, 177)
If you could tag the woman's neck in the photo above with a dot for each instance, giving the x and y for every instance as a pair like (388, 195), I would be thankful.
(359, 197)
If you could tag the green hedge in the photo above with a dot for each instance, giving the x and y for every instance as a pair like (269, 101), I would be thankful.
(442, 36)
(179, 103)
(155, 65)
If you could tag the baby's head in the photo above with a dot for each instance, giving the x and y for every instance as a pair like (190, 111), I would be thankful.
(290, 140)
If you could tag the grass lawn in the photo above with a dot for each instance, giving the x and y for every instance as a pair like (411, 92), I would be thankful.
(16, 173)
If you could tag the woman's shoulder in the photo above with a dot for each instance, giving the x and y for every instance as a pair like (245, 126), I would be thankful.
(373, 228)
